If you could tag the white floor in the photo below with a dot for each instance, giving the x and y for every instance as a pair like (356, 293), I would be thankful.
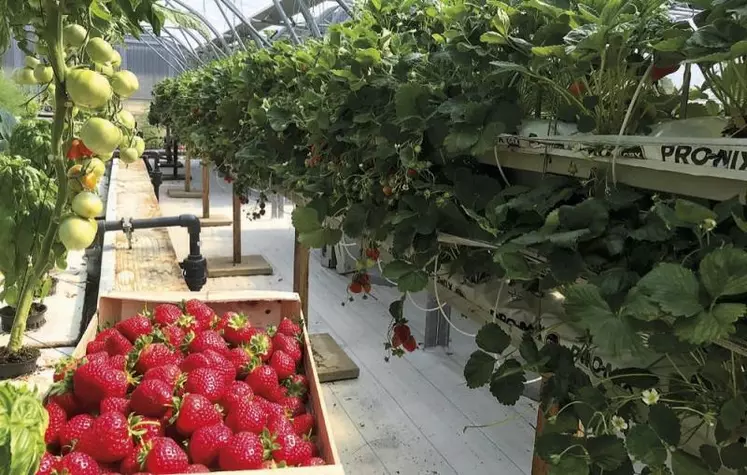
(405, 417)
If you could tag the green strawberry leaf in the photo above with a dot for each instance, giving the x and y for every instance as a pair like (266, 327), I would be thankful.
(645, 446)
(665, 422)
(734, 455)
(686, 464)
(507, 383)
(305, 220)
(674, 288)
(724, 272)
(478, 369)
(710, 455)
(733, 413)
(712, 325)
(692, 213)
(570, 465)
(607, 451)
(492, 339)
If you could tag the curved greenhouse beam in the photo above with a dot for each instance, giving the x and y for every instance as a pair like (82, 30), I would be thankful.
(184, 44)
(204, 20)
(147, 43)
(345, 7)
(286, 20)
(258, 38)
(310, 20)
(218, 52)
(230, 24)
(171, 48)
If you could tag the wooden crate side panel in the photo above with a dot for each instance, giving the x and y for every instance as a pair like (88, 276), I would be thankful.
(323, 470)
(324, 433)
(88, 335)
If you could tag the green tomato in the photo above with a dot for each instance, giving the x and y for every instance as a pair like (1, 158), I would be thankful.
(129, 155)
(43, 74)
(31, 62)
(77, 233)
(124, 83)
(126, 119)
(87, 205)
(24, 76)
(100, 136)
(88, 88)
(99, 50)
(116, 60)
(139, 145)
(74, 35)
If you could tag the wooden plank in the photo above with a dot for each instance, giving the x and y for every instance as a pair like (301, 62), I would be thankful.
(331, 361)
(205, 190)
(647, 174)
(301, 272)
(254, 264)
(182, 194)
(215, 222)
(236, 229)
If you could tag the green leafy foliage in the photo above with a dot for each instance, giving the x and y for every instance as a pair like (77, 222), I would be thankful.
(23, 421)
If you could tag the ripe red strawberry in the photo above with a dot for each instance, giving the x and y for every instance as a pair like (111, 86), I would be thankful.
(260, 344)
(135, 327)
(277, 394)
(209, 359)
(202, 313)
(243, 452)
(168, 373)
(197, 468)
(195, 411)
(115, 404)
(208, 340)
(298, 385)
(263, 380)
(174, 335)
(206, 381)
(238, 330)
(57, 420)
(292, 450)
(289, 345)
(279, 425)
(74, 430)
(166, 314)
(236, 392)
(117, 344)
(109, 440)
(65, 368)
(410, 344)
(151, 398)
(293, 404)
(118, 362)
(133, 461)
(78, 463)
(283, 364)
(220, 322)
(402, 331)
(104, 334)
(95, 347)
(102, 357)
(313, 462)
(206, 442)
(166, 456)
(94, 382)
(241, 359)
(66, 400)
(303, 424)
(48, 464)
(271, 408)
(154, 355)
(247, 416)
(147, 428)
(289, 327)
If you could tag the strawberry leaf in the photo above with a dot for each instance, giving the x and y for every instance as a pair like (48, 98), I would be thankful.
(507, 383)
(478, 369)
(665, 422)
(724, 272)
(492, 339)
(674, 288)
(711, 325)
(645, 446)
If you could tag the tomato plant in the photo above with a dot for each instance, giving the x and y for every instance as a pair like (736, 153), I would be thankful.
(66, 42)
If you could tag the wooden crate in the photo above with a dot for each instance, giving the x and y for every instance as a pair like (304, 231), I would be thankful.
(263, 308)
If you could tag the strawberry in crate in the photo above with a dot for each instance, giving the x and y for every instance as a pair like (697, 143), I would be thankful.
(181, 389)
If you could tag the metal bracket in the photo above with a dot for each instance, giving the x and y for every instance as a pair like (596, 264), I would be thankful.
(127, 229)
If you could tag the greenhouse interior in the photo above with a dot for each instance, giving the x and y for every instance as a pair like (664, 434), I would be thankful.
(373, 237)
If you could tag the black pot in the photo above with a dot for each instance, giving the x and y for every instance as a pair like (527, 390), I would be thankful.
(24, 363)
(36, 317)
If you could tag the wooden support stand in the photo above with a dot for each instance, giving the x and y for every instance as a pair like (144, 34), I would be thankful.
(236, 265)
(332, 363)
(187, 192)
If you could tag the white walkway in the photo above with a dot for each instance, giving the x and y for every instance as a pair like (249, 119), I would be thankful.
(403, 417)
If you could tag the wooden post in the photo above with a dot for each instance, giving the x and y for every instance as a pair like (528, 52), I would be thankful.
(236, 229)
(205, 190)
(301, 275)
(188, 173)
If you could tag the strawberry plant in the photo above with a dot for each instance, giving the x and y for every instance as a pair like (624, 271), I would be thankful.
(66, 43)
(376, 129)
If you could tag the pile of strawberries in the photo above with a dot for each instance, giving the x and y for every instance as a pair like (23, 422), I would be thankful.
(182, 390)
